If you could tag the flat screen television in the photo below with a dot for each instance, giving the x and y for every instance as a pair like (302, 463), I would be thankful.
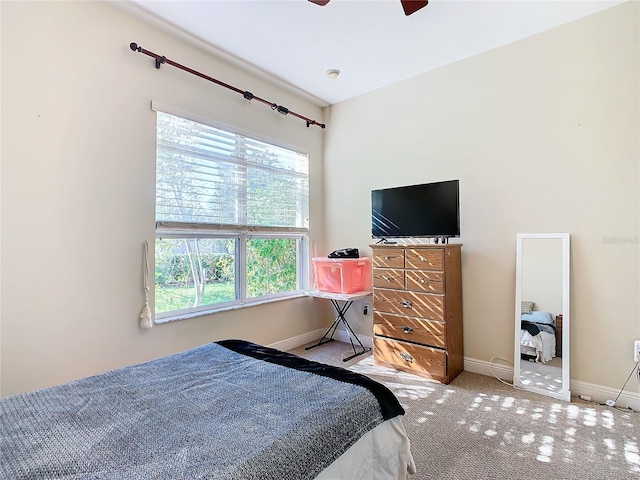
(425, 210)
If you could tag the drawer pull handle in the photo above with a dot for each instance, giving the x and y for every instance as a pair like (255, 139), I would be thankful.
(406, 329)
(405, 304)
(406, 357)
(422, 280)
(384, 277)
(387, 258)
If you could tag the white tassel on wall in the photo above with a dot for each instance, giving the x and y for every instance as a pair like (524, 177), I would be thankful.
(146, 318)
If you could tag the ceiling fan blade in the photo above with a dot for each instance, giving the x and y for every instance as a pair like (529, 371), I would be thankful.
(322, 3)
(410, 6)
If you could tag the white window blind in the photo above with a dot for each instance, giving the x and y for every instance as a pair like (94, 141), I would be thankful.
(231, 219)
(206, 175)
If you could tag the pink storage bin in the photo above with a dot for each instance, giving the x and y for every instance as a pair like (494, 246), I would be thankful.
(341, 275)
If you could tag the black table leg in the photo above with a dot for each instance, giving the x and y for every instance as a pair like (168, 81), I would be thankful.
(328, 336)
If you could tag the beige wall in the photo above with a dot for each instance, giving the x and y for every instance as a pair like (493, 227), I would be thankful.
(78, 173)
(543, 135)
(542, 273)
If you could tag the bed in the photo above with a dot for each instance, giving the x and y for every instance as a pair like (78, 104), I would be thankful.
(538, 336)
(225, 410)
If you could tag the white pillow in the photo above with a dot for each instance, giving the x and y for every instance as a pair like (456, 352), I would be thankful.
(526, 307)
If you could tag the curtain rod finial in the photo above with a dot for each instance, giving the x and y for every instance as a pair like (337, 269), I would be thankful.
(134, 46)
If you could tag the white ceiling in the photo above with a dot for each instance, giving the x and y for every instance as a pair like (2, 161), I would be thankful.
(372, 43)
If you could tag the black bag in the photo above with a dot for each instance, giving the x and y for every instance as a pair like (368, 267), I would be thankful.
(345, 253)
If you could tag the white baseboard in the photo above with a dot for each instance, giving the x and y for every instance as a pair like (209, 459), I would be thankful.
(342, 336)
(601, 394)
(497, 368)
(298, 341)
(490, 369)
(597, 393)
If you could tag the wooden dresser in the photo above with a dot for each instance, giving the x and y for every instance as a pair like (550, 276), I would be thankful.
(417, 302)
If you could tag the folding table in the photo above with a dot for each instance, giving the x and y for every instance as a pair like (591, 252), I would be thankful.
(347, 299)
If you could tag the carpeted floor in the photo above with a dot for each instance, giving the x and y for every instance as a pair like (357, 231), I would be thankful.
(543, 376)
(479, 428)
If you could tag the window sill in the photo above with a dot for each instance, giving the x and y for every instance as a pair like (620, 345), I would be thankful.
(202, 313)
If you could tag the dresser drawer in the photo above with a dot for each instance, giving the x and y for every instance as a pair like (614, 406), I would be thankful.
(388, 258)
(425, 259)
(425, 281)
(388, 278)
(414, 304)
(410, 357)
(416, 330)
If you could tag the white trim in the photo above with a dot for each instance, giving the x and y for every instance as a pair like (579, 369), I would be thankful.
(342, 336)
(298, 341)
(490, 369)
(601, 394)
(184, 315)
(598, 393)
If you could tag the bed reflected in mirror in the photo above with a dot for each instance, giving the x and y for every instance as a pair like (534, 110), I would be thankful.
(541, 349)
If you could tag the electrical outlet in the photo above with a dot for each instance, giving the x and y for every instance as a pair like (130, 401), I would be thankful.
(365, 310)
(636, 350)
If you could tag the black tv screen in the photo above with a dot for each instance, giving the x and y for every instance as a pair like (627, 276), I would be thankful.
(426, 210)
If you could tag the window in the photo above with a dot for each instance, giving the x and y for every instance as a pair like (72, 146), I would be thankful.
(231, 219)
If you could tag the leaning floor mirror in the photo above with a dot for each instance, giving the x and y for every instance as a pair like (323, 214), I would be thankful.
(541, 353)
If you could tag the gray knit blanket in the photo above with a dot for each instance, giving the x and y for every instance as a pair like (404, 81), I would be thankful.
(206, 413)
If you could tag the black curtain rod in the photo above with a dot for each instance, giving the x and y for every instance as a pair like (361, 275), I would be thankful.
(246, 94)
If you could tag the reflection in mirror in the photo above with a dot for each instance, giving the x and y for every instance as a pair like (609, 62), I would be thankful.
(541, 349)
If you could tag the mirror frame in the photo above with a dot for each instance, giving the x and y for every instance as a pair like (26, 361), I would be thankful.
(565, 393)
